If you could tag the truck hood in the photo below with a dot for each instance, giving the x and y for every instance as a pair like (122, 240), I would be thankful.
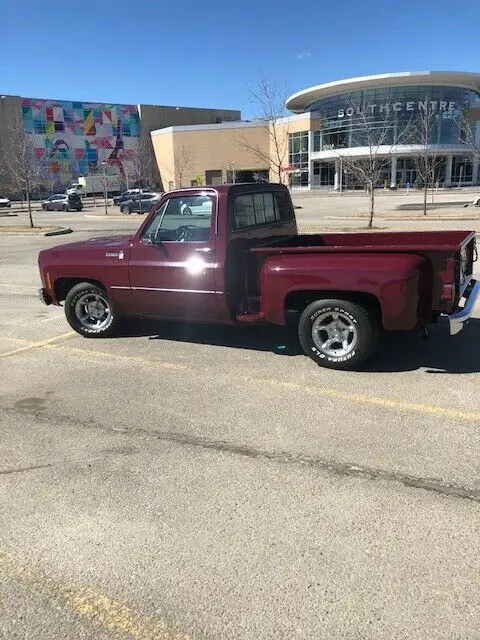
(116, 242)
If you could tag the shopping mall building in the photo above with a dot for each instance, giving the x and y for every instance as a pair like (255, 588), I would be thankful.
(327, 126)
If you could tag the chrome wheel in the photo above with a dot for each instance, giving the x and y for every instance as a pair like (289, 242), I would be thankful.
(93, 311)
(334, 333)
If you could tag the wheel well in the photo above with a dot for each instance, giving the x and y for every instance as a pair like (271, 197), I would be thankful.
(62, 286)
(296, 301)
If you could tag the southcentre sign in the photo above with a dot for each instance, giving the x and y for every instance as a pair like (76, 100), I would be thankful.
(386, 107)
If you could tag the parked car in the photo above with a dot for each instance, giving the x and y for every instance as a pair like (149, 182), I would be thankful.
(63, 202)
(140, 203)
(75, 202)
(246, 264)
(5, 202)
(128, 195)
(201, 206)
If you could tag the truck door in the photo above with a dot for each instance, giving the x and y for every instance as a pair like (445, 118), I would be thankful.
(172, 268)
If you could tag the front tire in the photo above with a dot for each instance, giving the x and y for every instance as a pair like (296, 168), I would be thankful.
(90, 312)
(338, 334)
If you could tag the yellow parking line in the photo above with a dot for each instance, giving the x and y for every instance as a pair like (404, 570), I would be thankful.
(37, 345)
(366, 399)
(116, 356)
(17, 339)
(95, 606)
(56, 317)
(17, 286)
(388, 403)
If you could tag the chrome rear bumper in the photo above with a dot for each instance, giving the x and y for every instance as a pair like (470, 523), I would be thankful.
(457, 319)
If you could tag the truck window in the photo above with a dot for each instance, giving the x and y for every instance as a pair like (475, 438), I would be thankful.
(181, 219)
(256, 209)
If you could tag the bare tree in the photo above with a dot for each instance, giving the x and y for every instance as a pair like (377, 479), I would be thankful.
(269, 111)
(376, 134)
(23, 171)
(424, 133)
(182, 159)
(144, 168)
(468, 123)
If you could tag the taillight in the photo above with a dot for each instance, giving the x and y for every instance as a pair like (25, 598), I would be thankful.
(448, 292)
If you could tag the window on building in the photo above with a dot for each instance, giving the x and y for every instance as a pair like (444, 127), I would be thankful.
(298, 149)
(462, 169)
(298, 158)
(298, 179)
(323, 173)
(213, 176)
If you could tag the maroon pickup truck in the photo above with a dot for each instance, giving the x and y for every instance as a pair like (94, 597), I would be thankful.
(231, 254)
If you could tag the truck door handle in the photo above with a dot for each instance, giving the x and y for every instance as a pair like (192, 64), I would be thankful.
(204, 250)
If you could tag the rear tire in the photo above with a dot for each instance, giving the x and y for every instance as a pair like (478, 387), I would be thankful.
(338, 334)
(90, 312)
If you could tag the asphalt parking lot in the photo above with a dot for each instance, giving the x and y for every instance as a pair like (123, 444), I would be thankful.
(181, 482)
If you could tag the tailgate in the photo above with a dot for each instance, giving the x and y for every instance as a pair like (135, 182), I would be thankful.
(454, 273)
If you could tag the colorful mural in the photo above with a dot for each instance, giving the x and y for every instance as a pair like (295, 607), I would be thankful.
(74, 138)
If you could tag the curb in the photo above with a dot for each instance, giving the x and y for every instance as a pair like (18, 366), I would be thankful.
(8, 215)
(407, 219)
(19, 234)
(59, 232)
(114, 216)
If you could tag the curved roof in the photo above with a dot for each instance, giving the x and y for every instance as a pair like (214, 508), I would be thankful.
(301, 100)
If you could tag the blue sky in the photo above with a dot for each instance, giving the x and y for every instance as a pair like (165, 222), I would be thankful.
(206, 54)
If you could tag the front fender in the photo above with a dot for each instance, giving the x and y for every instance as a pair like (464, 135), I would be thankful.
(109, 267)
(392, 278)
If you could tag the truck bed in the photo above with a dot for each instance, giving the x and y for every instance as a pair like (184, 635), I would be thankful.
(442, 251)
(422, 242)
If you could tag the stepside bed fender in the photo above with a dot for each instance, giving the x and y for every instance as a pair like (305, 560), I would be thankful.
(392, 279)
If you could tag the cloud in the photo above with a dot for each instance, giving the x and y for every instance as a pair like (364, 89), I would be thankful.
(303, 54)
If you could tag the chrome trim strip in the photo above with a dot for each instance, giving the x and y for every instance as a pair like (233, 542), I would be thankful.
(173, 290)
(167, 290)
(187, 263)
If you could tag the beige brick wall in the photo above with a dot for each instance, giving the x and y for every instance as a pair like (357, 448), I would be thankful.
(183, 155)
(10, 112)
(163, 150)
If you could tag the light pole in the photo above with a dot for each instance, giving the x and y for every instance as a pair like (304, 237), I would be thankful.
(104, 169)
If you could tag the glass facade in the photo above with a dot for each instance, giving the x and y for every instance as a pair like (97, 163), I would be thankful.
(462, 169)
(395, 115)
(394, 112)
(298, 157)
